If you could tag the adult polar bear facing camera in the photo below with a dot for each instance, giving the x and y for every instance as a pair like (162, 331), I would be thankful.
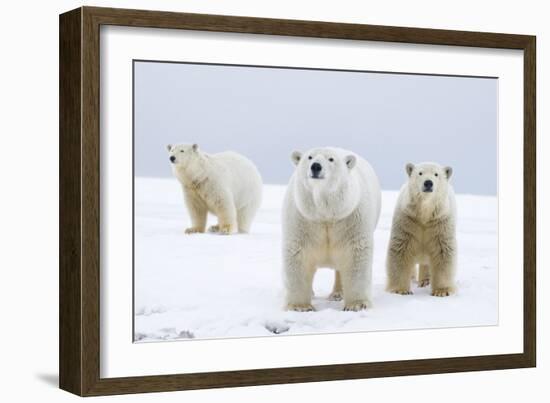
(226, 184)
(423, 232)
(331, 209)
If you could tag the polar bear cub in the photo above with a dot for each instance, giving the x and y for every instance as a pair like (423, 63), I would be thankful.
(330, 211)
(423, 232)
(226, 184)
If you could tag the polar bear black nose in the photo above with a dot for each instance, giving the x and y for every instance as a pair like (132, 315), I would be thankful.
(428, 185)
(172, 158)
(316, 167)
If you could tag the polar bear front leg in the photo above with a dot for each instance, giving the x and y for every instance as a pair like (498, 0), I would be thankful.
(356, 284)
(443, 277)
(399, 271)
(227, 215)
(400, 263)
(298, 280)
(443, 262)
(356, 273)
(198, 212)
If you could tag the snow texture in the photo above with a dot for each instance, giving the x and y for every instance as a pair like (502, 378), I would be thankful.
(214, 286)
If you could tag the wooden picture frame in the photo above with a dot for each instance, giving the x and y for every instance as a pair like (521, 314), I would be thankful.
(80, 200)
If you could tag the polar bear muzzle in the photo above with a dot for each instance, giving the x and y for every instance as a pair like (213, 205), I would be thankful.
(316, 171)
(428, 186)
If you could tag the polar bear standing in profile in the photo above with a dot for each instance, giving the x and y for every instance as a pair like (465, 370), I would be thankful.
(423, 232)
(226, 184)
(331, 209)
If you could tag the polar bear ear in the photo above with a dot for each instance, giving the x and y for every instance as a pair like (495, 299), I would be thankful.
(295, 157)
(448, 172)
(409, 168)
(350, 161)
(169, 147)
(195, 147)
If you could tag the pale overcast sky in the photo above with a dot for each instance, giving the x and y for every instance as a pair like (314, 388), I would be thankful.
(266, 113)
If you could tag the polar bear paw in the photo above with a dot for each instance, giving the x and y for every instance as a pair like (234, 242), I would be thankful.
(225, 229)
(335, 296)
(300, 307)
(221, 229)
(193, 230)
(441, 292)
(214, 228)
(424, 283)
(402, 291)
(357, 306)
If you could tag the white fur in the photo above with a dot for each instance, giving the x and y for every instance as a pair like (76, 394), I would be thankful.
(329, 222)
(226, 184)
(424, 232)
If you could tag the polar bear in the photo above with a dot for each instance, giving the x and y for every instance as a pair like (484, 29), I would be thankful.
(423, 232)
(331, 208)
(226, 184)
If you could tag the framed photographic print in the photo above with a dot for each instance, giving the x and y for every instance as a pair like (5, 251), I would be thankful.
(249, 201)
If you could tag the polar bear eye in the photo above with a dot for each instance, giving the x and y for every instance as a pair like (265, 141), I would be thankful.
(310, 157)
(436, 174)
(331, 159)
(181, 151)
(420, 173)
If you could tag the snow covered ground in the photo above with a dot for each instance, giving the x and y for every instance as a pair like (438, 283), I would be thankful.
(213, 286)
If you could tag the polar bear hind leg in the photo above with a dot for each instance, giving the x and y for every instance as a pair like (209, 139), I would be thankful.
(424, 275)
(337, 292)
(245, 216)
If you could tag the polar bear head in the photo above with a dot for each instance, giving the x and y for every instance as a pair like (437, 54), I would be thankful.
(428, 180)
(326, 186)
(182, 155)
(323, 166)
